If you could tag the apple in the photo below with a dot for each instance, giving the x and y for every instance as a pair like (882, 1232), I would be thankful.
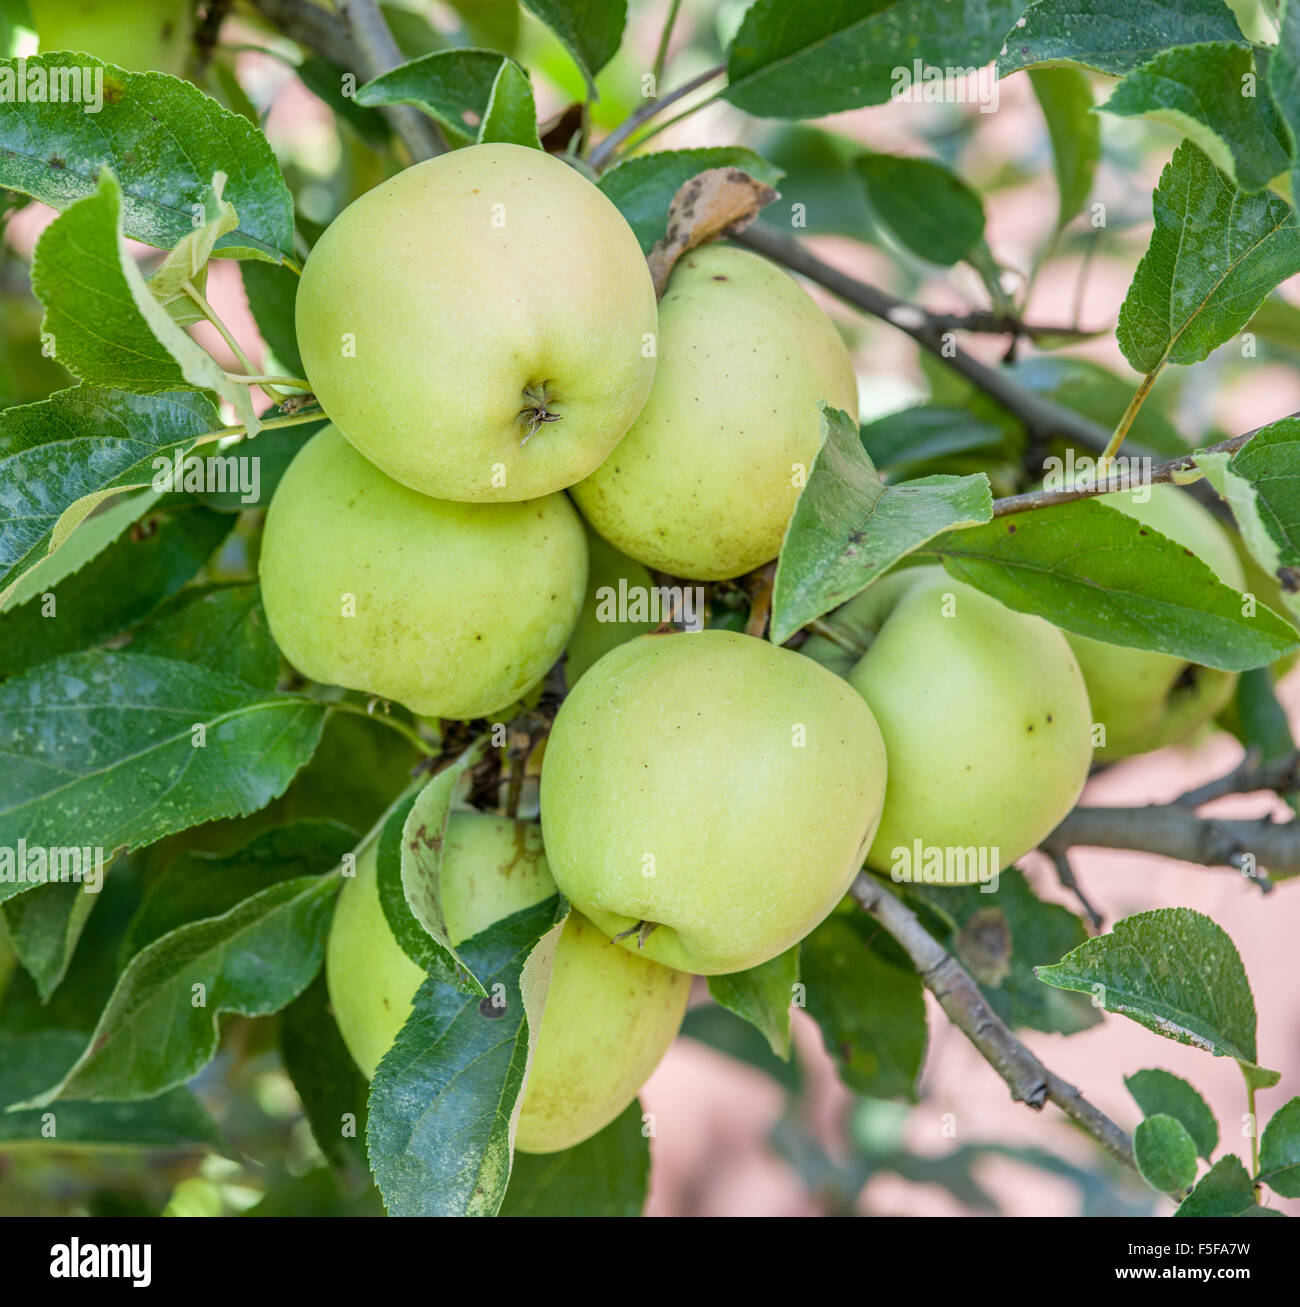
(705, 482)
(609, 1015)
(1146, 700)
(599, 627)
(454, 610)
(480, 326)
(710, 794)
(985, 720)
(144, 36)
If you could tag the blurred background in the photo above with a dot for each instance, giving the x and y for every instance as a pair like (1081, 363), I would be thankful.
(736, 1131)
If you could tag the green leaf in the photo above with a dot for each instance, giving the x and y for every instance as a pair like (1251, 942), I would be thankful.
(871, 1012)
(1214, 255)
(1284, 83)
(160, 1026)
(439, 1134)
(1225, 1190)
(643, 187)
(271, 292)
(590, 30)
(511, 112)
(734, 1037)
(1098, 572)
(848, 527)
(762, 996)
(454, 87)
(176, 1121)
(196, 885)
(1173, 971)
(1279, 1151)
(1065, 97)
(100, 750)
(606, 1175)
(329, 1083)
(106, 325)
(62, 456)
(221, 627)
(1163, 1093)
(187, 261)
(120, 586)
(1207, 92)
(820, 187)
(924, 206)
(1165, 1154)
(1112, 36)
(1257, 718)
(45, 924)
(808, 60)
(164, 139)
(411, 848)
(326, 81)
(1000, 938)
(902, 440)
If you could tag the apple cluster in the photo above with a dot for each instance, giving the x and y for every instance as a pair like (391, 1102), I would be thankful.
(517, 423)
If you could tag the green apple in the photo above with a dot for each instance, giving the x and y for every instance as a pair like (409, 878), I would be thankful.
(609, 1015)
(454, 610)
(985, 720)
(146, 35)
(704, 483)
(1146, 700)
(611, 579)
(480, 326)
(711, 794)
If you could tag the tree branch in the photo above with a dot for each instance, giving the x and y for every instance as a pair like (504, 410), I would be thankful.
(1043, 417)
(1028, 1079)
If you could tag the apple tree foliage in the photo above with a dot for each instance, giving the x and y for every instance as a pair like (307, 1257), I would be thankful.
(154, 718)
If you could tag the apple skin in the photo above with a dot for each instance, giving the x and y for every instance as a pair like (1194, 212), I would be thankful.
(676, 754)
(1144, 699)
(593, 638)
(144, 36)
(464, 282)
(984, 715)
(460, 608)
(703, 485)
(609, 1017)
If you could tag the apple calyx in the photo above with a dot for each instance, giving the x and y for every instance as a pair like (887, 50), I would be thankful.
(536, 412)
(642, 930)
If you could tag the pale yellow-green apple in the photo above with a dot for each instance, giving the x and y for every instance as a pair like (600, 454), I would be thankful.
(704, 483)
(711, 794)
(985, 720)
(1146, 700)
(143, 36)
(454, 610)
(618, 588)
(481, 326)
(609, 1015)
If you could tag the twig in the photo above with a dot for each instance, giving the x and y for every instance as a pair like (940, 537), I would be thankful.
(604, 151)
(759, 584)
(313, 27)
(991, 323)
(1043, 417)
(1281, 775)
(1065, 874)
(1028, 1079)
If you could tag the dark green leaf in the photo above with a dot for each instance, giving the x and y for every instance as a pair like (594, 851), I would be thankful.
(1214, 255)
(1112, 36)
(164, 139)
(1163, 1093)
(453, 87)
(901, 440)
(848, 527)
(590, 30)
(924, 206)
(1165, 1154)
(606, 1175)
(871, 1012)
(1224, 1190)
(271, 293)
(1173, 971)
(511, 114)
(100, 750)
(1065, 97)
(762, 996)
(1279, 1151)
